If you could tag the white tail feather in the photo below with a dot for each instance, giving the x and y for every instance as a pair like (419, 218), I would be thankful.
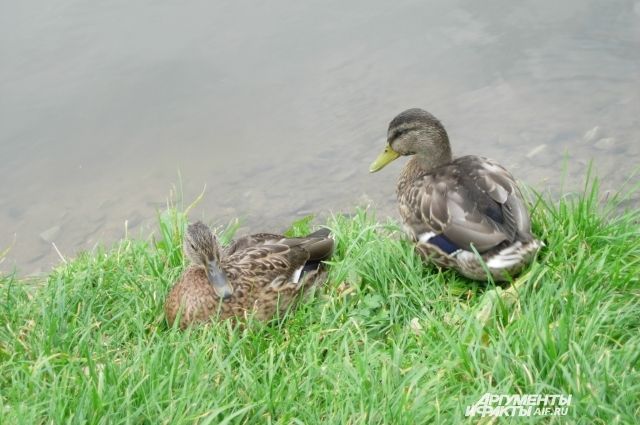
(424, 237)
(295, 278)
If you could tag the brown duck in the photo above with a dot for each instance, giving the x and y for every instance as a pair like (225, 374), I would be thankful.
(259, 275)
(466, 213)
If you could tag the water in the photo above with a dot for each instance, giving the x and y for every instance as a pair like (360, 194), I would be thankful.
(279, 107)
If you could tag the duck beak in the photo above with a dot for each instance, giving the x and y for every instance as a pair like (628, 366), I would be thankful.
(219, 281)
(383, 159)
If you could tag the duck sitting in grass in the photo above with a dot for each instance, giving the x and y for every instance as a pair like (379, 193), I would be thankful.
(260, 274)
(465, 213)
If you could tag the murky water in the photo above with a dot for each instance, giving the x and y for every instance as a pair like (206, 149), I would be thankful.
(279, 107)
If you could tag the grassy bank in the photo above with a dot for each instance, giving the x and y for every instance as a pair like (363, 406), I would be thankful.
(386, 341)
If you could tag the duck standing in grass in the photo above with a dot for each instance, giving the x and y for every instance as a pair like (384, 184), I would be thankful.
(465, 213)
(260, 274)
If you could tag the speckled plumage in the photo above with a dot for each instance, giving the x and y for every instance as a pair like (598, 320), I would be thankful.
(453, 207)
(263, 271)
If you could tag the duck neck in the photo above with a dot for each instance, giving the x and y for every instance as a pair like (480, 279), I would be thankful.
(422, 164)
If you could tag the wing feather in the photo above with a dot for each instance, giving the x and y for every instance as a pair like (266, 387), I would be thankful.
(472, 201)
(262, 264)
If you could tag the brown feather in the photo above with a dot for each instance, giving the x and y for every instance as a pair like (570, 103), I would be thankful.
(454, 208)
(472, 201)
(260, 268)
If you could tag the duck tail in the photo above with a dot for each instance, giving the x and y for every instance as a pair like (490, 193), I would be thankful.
(319, 245)
(515, 254)
(323, 232)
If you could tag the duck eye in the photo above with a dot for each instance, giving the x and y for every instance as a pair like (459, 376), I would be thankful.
(397, 134)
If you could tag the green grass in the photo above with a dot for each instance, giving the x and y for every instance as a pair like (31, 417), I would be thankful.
(387, 340)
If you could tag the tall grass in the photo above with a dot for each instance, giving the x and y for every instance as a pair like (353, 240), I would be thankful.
(386, 340)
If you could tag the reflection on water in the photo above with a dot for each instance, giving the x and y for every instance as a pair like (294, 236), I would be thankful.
(279, 107)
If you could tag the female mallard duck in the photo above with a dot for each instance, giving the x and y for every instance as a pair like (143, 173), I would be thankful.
(460, 212)
(260, 274)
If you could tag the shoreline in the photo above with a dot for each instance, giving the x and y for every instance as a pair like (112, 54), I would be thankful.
(403, 341)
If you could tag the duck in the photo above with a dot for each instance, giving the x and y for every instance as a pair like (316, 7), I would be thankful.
(260, 275)
(466, 213)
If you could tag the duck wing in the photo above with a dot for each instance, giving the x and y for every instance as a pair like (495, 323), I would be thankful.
(251, 240)
(472, 201)
(318, 244)
(265, 265)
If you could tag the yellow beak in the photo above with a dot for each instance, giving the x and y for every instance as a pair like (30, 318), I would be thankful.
(383, 159)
